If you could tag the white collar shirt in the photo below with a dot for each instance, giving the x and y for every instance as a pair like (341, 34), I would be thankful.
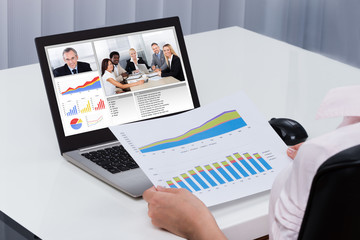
(290, 191)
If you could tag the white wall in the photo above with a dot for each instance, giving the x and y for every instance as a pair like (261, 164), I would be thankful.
(326, 27)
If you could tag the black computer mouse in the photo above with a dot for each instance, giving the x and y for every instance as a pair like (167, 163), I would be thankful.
(290, 131)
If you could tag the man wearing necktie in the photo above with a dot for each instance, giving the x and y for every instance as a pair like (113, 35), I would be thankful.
(72, 65)
(158, 60)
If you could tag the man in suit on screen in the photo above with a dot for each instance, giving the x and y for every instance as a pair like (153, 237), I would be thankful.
(158, 60)
(72, 65)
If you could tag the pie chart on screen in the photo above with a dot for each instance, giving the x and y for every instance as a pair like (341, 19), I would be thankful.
(76, 123)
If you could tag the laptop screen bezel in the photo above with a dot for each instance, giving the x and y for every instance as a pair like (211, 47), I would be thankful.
(95, 137)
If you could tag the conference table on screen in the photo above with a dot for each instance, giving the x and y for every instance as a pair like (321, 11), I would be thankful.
(56, 200)
(151, 83)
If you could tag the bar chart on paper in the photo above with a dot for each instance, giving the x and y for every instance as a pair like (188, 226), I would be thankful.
(234, 168)
(219, 152)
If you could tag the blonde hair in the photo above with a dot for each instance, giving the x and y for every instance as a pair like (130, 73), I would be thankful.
(171, 50)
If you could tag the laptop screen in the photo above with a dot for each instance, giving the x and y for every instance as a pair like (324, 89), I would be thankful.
(115, 75)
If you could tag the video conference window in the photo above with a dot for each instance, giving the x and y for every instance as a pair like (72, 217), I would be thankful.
(119, 79)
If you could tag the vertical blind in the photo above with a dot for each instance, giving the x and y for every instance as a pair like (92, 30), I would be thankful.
(326, 27)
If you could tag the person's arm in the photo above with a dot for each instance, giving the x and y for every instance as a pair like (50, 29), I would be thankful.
(123, 72)
(182, 213)
(128, 67)
(164, 66)
(153, 62)
(122, 86)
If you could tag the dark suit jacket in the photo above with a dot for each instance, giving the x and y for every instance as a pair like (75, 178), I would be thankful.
(175, 69)
(64, 70)
(130, 66)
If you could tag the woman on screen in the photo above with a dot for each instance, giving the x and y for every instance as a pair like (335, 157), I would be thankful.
(132, 63)
(108, 78)
(173, 62)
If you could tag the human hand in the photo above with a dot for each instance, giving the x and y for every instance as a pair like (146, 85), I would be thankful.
(159, 73)
(182, 213)
(141, 81)
(153, 68)
(292, 151)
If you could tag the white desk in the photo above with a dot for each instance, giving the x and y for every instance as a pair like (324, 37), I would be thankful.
(56, 200)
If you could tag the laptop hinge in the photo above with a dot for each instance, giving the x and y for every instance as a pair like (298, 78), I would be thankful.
(103, 145)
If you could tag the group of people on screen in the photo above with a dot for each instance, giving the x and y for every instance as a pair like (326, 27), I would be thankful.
(165, 63)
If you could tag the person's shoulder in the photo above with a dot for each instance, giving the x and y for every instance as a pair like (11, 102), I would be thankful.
(61, 68)
(83, 64)
(60, 71)
(323, 147)
(108, 75)
(176, 58)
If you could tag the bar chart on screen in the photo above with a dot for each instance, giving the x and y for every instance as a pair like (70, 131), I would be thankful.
(219, 152)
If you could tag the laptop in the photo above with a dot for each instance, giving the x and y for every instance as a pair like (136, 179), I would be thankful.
(142, 68)
(84, 103)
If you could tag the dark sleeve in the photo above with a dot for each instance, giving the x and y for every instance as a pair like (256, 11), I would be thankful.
(142, 61)
(128, 67)
(175, 70)
(153, 62)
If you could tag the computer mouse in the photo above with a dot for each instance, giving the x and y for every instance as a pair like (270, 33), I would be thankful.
(290, 131)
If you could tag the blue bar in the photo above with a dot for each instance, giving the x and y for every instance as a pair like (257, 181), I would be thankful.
(241, 170)
(244, 163)
(253, 162)
(198, 179)
(190, 181)
(222, 171)
(206, 176)
(171, 184)
(232, 171)
(72, 111)
(262, 161)
(215, 175)
(182, 185)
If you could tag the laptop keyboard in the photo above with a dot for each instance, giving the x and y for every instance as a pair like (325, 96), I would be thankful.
(114, 159)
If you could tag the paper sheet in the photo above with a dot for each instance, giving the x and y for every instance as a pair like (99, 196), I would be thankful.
(220, 152)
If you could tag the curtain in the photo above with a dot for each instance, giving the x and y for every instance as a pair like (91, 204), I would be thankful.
(326, 27)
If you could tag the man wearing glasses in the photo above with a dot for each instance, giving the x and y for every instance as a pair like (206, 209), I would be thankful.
(72, 65)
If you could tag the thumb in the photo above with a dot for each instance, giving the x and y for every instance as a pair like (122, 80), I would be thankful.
(149, 193)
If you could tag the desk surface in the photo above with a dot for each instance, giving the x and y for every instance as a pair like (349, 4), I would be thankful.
(57, 200)
(155, 83)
